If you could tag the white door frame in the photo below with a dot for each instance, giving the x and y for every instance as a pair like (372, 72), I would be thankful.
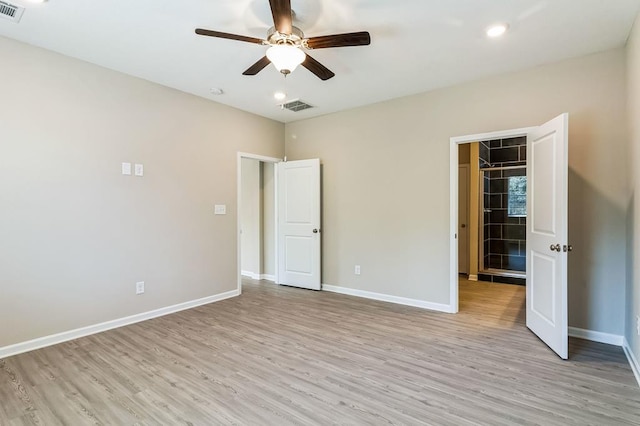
(264, 159)
(453, 199)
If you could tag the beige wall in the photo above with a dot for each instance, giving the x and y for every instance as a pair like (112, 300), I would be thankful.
(633, 211)
(76, 234)
(251, 217)
(386, 180)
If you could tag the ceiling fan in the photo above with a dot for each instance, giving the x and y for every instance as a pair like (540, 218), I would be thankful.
(287, 43)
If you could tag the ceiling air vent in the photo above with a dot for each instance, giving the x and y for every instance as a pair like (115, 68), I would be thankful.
(10, 11)
(296, 106)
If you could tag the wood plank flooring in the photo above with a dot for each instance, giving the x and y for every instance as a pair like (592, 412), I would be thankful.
(279, 355)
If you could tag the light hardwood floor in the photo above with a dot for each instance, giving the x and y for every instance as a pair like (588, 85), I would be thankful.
(279, 355)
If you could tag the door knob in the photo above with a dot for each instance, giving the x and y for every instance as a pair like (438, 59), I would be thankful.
(555, 247)
(315, 231)
(463, 226)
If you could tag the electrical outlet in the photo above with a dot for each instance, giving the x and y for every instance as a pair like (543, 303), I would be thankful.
(140, 287)
(357, 270)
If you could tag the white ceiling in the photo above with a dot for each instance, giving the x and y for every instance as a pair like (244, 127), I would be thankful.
(417, 45)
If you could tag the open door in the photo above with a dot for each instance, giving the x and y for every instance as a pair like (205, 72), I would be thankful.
(298, 198)
(547, 245)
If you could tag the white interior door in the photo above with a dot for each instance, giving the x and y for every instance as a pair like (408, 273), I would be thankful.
(299, 223)
(463, 219)
(547, 166)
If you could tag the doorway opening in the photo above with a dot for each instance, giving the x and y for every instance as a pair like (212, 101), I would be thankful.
(492, 211)
(289, 251)
(478, 232)
(492, 230)
(256, 218)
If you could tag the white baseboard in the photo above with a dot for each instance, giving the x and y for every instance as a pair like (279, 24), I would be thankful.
(596, 336)
(65, 336)
(388, 298)
(250, 274)
(635, 367)
(255, 276)
(472, 277)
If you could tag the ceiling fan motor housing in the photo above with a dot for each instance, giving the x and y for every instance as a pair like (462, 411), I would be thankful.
(295, 38)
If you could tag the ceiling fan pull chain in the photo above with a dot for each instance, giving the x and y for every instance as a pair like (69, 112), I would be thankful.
(286, 95)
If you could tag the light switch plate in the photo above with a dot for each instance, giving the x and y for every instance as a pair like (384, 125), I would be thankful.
(126, 168)
(139, 169)
(220, 209)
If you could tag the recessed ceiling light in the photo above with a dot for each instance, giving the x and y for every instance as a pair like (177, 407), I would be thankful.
(280, 96)
(497, 30)
(216, 91)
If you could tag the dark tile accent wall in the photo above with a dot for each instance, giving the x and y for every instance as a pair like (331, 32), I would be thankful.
(504, 236)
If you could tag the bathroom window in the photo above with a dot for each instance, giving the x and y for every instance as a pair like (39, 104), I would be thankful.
(517, 196)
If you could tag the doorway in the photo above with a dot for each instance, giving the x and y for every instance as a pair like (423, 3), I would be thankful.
(463, 149)
(546, 224)
(256, 216)
(492, 211)
(278, 221)
(491, 247)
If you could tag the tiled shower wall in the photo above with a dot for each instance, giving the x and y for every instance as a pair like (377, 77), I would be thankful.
(504, 236)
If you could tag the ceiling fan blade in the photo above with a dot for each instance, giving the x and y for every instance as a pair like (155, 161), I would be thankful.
(361, 38)
(322, 72)
(219, 34)
(257, 67)
(281, 11)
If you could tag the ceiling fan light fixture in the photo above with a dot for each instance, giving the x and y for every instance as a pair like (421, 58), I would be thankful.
(285, 57)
